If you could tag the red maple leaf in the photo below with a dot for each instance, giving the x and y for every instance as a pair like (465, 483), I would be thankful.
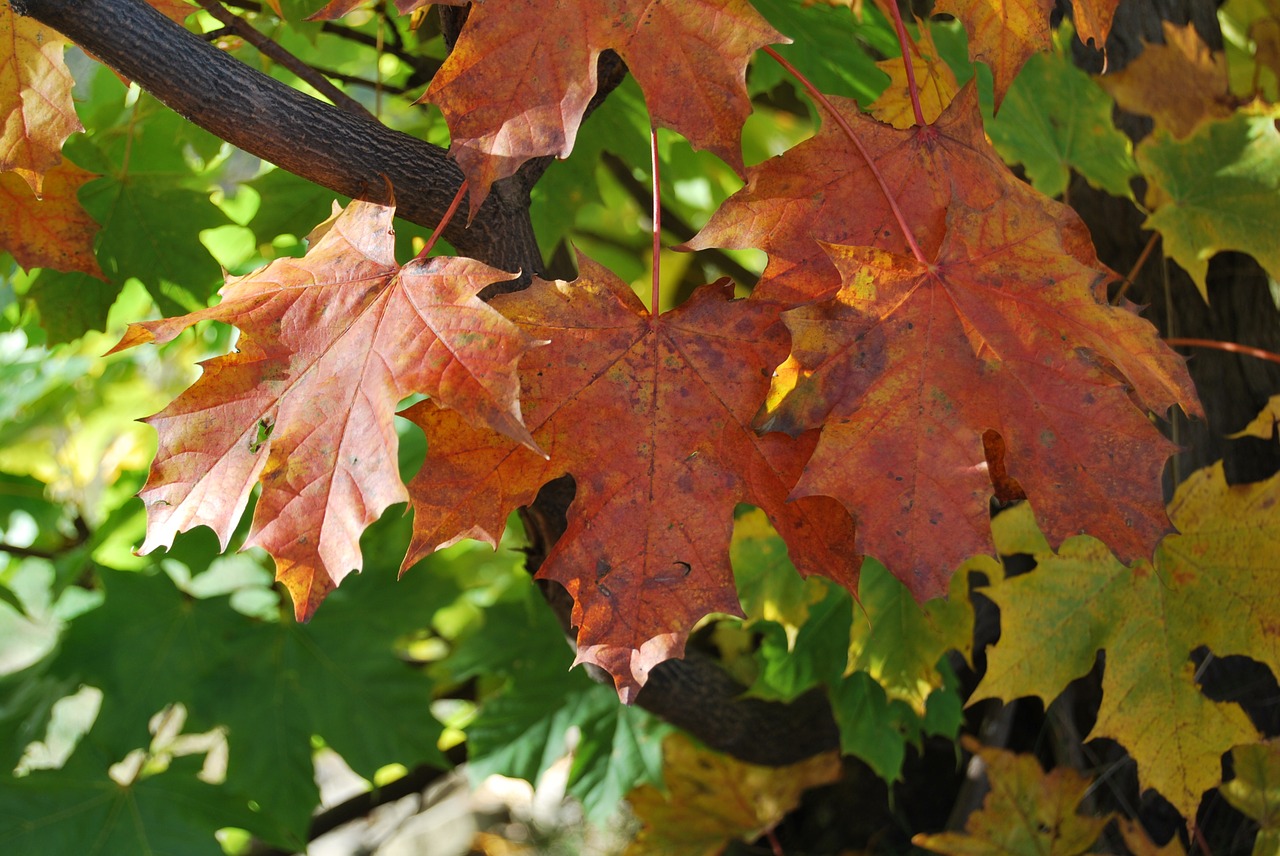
(652, 417)
(823, 191)
(518, 81)
(305, 404)
(1008, 329)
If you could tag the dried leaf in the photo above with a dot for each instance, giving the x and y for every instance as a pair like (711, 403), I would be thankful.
(53, 232)
(36, 112)
(329, 344)
(1008, 330)
(652, 417)
(519, 79)
(1002, 33)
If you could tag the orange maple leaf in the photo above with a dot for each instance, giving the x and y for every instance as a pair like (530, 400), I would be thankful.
(518, 81)
(36, 113)
(1093, 20)
(53, 232)
(822, 191)
(1002, 33)
(1007, 330)
(305, 404)
(652, 417)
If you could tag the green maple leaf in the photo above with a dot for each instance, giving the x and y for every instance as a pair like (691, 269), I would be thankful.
(1217, 190)
(1055, 119)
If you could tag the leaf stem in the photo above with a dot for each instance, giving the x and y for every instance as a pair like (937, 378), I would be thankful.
(656, 294)
(908, 62)
(857, 143)
(1232, 347)
(444, 221)
(1137, 266)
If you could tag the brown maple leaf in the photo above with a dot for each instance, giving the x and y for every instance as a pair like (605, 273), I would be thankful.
(36, 112)
(1002, 33)
(518, 80)
(328, 345)
(53, 232)
(1180, 84)
(1008, 329)
(652, 417)
(823, 191)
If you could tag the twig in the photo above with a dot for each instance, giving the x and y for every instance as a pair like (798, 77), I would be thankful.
(1137, 266)
(1233, 347)
(270, 49)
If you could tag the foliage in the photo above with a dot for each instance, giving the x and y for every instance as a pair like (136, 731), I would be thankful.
(929, 334)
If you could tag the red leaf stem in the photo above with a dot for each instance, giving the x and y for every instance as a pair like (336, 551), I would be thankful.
(907, 51)
(444, 221)
(656, 294)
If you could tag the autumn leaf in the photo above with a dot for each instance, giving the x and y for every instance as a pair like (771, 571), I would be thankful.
(1255, 791)
(652, 417)
(1180, 83)
(329, 344)
(1002, 33)
(1026, 813)
(1149, 618)
(935, 82)
(1007, 330)
(803, 197)
(690, 59)
(53, 232)
(1213, 192)
(1093, 20)
(36, 113)
(712, 799)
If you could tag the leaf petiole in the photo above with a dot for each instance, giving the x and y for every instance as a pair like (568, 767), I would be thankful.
(862, 150)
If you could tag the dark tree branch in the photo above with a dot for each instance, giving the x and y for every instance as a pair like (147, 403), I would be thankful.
(269, 48)
(350, 154)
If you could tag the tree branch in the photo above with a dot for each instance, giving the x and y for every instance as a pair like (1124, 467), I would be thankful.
(350, 154)
(267, 47)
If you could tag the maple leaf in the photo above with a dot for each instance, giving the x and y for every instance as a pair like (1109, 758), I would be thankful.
(1093, 20)
(518, 80)
(36, 112)
(822, 191)
(1180, 83)
(1007, 330)
(935, 81)
(1026, 813)
(1149, 618)
(1055, 120)
(1255, 791)
(1214, 191)
(652, 417)
(329, 344)
(52, 232)
(1002, 33)
(712, 799)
